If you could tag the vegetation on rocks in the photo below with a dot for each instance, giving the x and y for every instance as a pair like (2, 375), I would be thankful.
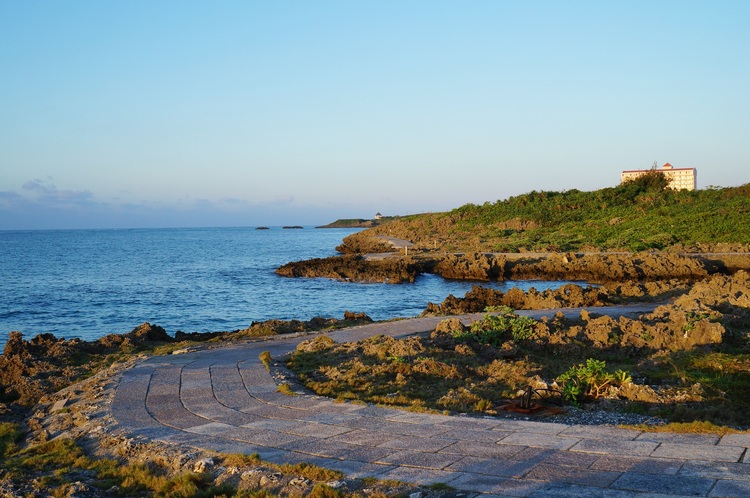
(606, 235)
(686, 361)
(62, 468)
(638, 215)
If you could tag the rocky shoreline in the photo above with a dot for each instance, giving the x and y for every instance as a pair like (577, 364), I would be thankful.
(59, 388)
(396, 268)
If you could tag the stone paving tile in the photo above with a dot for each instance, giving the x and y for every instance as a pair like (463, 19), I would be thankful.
(328, 418)
(569, 459)
(417, 443)
(717, 470)
(499, 486)
(366, 437)
(668, 437)
(615, 447)
(255, 377)
(134, 416)
(271, 412)
(572, 475)
(279, 425)
(195, 380)
(417, 418)
(335, 407)
(172, 414)
(421, 430)
(316, 430)
(279, 399)
(300, 402)
(469, 434)
(369, 454)
(211, 428)
(480, 449)
(356, 470)
(736, 440)
(421, 459)
(493, 466)
(323, 448)
(599, 432)
(462, 422)
(731, 488)
(375, 411)
(619, 463)
(414, 474)
(273, 439)
(721, 453)
(539, 440)
(198, 394)
(370, 423)
(230, 417)
(197, 440)
(664, 484)
(576, 491)
(531, 427)
(236, 433)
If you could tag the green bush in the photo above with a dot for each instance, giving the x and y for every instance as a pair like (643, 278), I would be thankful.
(495, 329)
(589, 380)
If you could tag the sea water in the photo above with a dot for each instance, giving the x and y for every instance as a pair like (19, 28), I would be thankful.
(90, 283)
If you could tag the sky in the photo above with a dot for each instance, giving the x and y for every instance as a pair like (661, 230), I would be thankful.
(236, 113)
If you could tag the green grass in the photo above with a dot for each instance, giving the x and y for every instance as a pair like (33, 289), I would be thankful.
(636, 216)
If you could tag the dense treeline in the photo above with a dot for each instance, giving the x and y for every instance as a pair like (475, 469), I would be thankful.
(637, 215)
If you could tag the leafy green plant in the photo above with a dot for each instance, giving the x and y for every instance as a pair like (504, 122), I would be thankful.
(522, 328)
(498, 325)
(589, 380)
(693, 317)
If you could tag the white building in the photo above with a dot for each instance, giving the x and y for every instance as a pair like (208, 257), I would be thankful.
(679, 178)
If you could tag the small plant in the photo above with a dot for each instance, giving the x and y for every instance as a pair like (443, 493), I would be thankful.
(500, 324)
(482, 405)
(440, 486)
(693, 317)
(285, 388)
(589, 380)
(265, 358)
(522, 328)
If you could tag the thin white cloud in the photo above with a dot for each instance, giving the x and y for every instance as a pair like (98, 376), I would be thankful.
(49, 193)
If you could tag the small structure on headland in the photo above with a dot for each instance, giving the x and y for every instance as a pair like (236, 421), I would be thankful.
(678, 178)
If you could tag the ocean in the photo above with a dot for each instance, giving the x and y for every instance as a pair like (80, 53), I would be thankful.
(90, 283)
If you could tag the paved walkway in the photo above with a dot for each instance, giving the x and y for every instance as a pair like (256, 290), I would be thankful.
(224, 400)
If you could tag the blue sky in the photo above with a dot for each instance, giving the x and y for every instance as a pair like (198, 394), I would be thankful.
(141, 114)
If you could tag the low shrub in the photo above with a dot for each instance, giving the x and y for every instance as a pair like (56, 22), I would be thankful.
(589, 380)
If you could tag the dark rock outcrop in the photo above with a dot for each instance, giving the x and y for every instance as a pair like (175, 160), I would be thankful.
(479, 298)
(600, 267)
(354, 268)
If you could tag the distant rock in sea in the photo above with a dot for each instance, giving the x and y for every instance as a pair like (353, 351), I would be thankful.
(261, 228)
(295, 227)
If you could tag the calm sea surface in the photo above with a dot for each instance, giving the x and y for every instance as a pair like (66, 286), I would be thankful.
(89, 283)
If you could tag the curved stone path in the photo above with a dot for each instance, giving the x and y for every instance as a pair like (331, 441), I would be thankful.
(224, 400)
